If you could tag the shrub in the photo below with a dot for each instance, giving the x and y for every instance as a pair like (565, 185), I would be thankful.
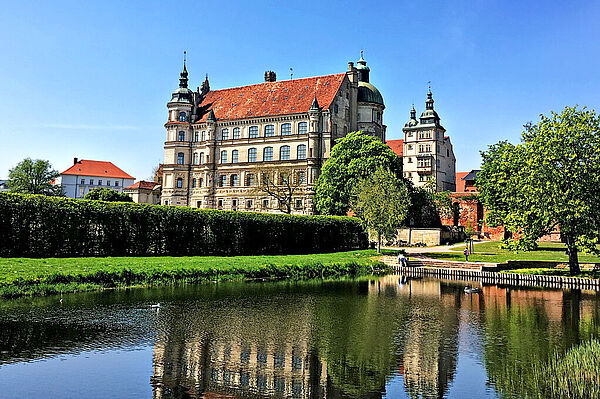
(39, 226)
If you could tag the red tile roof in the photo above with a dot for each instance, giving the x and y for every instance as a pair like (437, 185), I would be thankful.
(397, 146)
(142, 184)
(460, 183)
(86, 167)
(272, 98)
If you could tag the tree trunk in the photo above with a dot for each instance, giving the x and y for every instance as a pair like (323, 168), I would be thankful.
(378, 243)
(573, 258)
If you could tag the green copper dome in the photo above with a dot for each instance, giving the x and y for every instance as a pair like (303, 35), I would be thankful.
(367, 93)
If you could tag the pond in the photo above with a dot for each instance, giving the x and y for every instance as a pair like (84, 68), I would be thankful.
(355, 338)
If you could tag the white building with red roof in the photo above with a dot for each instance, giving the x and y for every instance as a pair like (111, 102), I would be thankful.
(85, 175)
(218, 141)
(144, 192)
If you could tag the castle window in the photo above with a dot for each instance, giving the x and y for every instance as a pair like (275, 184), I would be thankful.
(302, 128)
(269, 131)
(409, 160)
(220, 203)
(265, 203)
(410, 147)
(253, 132)
(193, 183)
(198, 204)
(301, 177)
(286, 129)
(223, 181)
(91, 182)
(223, 156)
(116, 183)
(99, 182)
(201, 157)
(108, 182)
(250, 179)
(249, 204)
(195, 136)
(235, 180)
(284, 152)
(268, 154)
(302, 151)
(225, 134)
(200, 182)
(82, 181)
(236, 133)
(195, 158)
(180, 158)
(252, 155)
(234, 156)
(179, 182)
(298, 203)
(182, 117)
(181, 136)
(203, 135)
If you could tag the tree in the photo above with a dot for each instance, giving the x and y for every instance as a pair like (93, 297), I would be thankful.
(283, 184)
(550, 179)
(382, 202)
(442, 199)
(107, 194)
(353, 158)
(34, 177)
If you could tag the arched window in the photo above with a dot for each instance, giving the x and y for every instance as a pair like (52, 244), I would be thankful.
(193, 182)
(252, 155)
(269, 131)
(223, 181)
(253, 132)
(180, 158)
(179, 182)
(201, 157)
(268, 154)
(235, 180)
(302, 128)
(286, 129)
(225, 134)
(234, 156)
(284, 152)
(302, 151)
(236, 132)
(182, 117)
(196, 136)
(223, 156)
(195, 158)
(181, 136)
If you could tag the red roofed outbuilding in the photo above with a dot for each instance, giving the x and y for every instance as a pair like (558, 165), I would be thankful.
(85, 175)
(144, 192)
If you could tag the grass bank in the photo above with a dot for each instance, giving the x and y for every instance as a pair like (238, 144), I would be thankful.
(491, 252)
(26, 276)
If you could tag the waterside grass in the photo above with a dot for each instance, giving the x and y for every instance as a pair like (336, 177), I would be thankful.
(27, 276)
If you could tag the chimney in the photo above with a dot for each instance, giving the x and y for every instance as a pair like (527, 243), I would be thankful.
(270, 76)
(74, 161)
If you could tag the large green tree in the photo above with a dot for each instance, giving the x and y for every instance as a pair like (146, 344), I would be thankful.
(34, 177)
(382, 202)
(550, 179)
(353, 158)
(107, 194)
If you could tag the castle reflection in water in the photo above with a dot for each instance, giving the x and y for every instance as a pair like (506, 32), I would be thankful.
(321, 346)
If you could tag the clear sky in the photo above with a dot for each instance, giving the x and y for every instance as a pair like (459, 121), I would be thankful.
(92, 80)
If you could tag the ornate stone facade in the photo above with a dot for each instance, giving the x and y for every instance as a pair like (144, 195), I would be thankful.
(219, 141)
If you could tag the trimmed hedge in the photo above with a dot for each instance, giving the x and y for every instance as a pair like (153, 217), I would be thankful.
(40, 226)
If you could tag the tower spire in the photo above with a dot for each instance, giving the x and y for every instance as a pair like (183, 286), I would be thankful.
(183, 76)
(429, 101)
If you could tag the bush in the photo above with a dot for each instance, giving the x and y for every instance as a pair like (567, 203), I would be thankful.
(39, 226)
(107, 194)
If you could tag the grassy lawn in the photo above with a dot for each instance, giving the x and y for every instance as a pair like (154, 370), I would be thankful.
(491, 252)
(26, 276)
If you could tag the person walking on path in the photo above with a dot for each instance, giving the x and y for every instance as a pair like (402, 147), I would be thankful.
(401, 259)
(466, 254)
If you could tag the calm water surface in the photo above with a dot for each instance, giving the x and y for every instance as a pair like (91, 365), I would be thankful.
(368, 338)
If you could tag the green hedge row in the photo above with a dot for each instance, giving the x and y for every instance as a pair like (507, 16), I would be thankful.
(40, 226)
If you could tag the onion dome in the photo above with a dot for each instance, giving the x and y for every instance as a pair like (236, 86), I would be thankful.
(413, 118)
(429, 112)
(182, 94)
(367, 93)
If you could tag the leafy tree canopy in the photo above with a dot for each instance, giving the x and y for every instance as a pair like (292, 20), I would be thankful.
(107, 194)
(355, 156)
(381, 201)
(34, 177)
(551, 179)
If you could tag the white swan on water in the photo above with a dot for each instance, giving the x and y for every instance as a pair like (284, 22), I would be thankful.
(157, 306)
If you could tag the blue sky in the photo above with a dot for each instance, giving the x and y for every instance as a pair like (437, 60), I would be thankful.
(91, 80)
